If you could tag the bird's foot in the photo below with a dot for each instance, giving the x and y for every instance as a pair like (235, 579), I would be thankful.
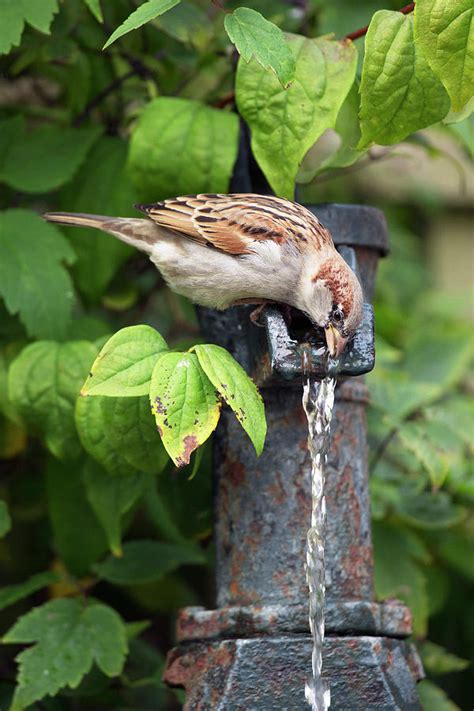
(256, 313)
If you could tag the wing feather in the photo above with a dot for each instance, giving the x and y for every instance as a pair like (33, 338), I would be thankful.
(234, 223)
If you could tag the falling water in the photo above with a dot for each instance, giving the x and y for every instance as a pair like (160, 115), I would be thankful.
(318, 402)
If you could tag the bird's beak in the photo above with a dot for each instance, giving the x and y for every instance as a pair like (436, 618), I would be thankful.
(335, 341)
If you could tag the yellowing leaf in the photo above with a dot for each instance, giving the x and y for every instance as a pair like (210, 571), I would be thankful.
(237, 389)
(185, 404)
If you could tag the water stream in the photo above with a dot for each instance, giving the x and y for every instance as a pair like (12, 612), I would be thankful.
(318, 402)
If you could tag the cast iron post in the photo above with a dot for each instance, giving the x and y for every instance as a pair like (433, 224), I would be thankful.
(254, 650)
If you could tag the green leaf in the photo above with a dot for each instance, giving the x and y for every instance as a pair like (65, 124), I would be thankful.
(124, 366)
(430, 511)
(33, 281)
(9, 594)
(397, 395)
(68, 637)
(46, 158)
(5, 520)
(94, 7)
(90, 425)
(399, 92)
(397, 571)
(439, 355)
(188, 23)
(143, 14)
(147, 561)
(237, 390)
(256, 37)
(77, 534)
(130, 429)
(432, 698)
(455, 548)
(445, 33)
(286, 123)
(14, 14)
(111, 497)
(180, 146)
(100, 186)
(347, 135)
(44, 382)
(437, 660)
(185, 404)
(433, 457)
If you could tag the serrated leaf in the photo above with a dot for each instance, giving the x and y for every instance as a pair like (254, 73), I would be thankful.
(94, 7)
(44, 382)
(68, 637)
(237, 390)
(91, 429)
(432, 698)
(430, 511)
(77, 534)
(397, 573)
(9, 594)
(434, 459)
(124, 366)
(5, 520)
(445, 32)
(111, 497)
(286, 123)
(46, 158)
(181, 147)
(394, 393)
(100, 186)
(33, 281)
(143, 14)
(14, 14)
(147, 561)
(399, 92)
(185, 404)
(437, 660)
(256, 37)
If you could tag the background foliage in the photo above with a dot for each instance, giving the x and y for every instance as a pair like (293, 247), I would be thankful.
(102, 536)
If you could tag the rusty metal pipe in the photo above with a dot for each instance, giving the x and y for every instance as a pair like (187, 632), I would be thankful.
(254, 650)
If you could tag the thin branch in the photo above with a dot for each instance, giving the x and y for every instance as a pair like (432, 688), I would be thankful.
(228, 98)
(99, 98)
(363, 30)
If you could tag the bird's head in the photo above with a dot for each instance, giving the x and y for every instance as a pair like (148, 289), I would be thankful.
(333, 301)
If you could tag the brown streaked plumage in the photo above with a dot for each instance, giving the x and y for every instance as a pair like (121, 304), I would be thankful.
(222, 249)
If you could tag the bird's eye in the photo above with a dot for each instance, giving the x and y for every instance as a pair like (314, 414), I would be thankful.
(338, 316)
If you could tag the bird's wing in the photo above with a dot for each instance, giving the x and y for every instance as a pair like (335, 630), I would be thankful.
(233, 223)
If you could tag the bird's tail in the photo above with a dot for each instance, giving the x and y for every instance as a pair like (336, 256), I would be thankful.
(138, 232)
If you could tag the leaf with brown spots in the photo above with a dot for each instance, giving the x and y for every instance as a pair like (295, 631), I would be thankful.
(237, 389)
(185, 404)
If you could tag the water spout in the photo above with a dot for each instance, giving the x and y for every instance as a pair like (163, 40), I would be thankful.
(318, 403)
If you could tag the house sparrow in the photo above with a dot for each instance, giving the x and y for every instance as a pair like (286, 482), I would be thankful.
(221, 250)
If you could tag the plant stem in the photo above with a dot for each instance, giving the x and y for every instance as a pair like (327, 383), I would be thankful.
(363, 30)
